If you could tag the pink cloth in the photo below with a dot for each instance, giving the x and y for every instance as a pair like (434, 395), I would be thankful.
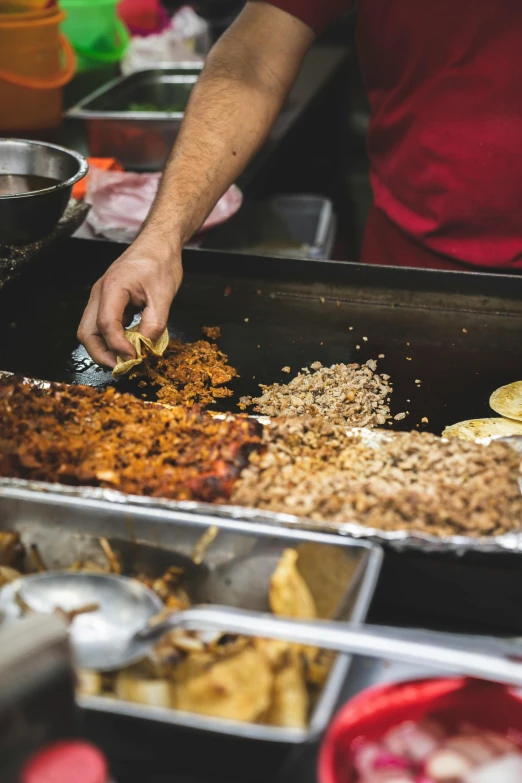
(120, 201)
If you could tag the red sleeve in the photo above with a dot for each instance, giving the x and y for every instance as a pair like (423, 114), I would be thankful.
(317, 14)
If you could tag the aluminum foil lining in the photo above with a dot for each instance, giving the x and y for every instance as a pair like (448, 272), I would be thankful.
(399, 540)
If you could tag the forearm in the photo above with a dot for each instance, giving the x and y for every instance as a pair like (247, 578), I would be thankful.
(237, 98)
(231, 111)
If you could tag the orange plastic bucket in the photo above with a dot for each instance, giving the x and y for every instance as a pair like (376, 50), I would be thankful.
(36, 61)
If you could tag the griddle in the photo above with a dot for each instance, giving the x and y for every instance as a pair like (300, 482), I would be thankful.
(288, 319)
(278, 312)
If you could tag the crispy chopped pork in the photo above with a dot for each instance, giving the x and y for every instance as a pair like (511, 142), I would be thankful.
(188, 373)
(81, 435)
(212, 332)
(343, 394)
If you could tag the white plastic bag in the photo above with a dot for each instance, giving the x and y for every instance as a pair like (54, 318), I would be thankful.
(192, 29)
(187, 39)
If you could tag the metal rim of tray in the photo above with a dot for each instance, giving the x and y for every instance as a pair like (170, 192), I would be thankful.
(81, 110)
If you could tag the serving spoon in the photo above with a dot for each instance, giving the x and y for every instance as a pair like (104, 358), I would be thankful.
(123, 628)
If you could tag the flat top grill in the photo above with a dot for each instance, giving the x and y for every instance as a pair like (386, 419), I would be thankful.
(277, 312)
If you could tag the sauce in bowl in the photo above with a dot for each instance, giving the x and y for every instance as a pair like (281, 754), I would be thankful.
(14, 184)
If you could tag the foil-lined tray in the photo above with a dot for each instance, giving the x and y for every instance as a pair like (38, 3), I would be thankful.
(399, 539)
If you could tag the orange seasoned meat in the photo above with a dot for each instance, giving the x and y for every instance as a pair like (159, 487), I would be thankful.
(80, 435)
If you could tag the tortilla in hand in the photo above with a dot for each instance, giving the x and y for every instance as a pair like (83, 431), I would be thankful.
(141, 345)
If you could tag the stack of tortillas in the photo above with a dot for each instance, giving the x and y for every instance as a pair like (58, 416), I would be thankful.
(508, 402)
(141, 345)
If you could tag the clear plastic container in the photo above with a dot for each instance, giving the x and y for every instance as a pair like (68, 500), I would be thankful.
(293, 226)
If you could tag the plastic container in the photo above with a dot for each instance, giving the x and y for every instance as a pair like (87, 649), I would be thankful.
(292, 226)
(36, 61)
(370, 714)
(23, 6)
(97, 33)
(143, 17)
(66, 762)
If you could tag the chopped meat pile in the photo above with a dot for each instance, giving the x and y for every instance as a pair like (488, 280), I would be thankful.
(408, 481)
(343, 394)
(80, 435)
(188, 373)
(212, 332)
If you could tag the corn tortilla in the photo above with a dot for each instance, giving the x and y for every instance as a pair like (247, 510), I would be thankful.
(483, 428)
(508, 401)
(140, 344)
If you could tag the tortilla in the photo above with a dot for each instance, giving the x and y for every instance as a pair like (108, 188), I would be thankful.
(483, 428)
(289, 594)
(508, 401)
(328, 572)
(237, 688)
(141, 345)
(290, 699)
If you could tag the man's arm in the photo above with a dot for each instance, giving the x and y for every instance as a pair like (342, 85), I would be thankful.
(238, 96)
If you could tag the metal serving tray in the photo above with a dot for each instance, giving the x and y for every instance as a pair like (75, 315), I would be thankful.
(138, 139)
(64, 529)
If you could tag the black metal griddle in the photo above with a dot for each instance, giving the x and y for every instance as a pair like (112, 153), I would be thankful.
(277, 312)
(299, 312)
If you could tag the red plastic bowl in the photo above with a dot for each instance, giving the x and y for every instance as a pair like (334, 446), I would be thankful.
(370, 714)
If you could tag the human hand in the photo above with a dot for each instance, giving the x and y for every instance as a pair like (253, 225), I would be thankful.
(146, 277)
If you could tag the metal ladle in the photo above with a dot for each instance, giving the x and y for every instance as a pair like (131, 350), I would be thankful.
(120, 632)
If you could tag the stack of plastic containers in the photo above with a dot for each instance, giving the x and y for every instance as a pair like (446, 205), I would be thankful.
(36, 62)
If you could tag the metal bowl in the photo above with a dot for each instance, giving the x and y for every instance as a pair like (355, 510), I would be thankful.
(27, 217)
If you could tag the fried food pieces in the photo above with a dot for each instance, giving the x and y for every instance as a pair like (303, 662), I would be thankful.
(230, 677)
(237, 687)
(80, 435)
(289, 595)
(143, 346)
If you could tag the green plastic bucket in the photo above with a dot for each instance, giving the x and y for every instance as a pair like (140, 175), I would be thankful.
(91, 25)
(98, 35)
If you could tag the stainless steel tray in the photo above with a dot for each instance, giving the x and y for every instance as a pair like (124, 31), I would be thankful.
(64, 527)
(138, 139)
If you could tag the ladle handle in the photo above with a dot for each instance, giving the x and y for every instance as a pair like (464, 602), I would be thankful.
(486, 658)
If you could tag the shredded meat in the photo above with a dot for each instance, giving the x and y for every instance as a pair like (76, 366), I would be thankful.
(343, 394)
(81, 435)
(413, 481)
(212, 332)
(188, 373)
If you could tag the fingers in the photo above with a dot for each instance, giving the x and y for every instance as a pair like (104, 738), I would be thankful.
(154, 319)
(88, 333)
(158, 299)
(97, 349)
(112, 311)
(126, 288)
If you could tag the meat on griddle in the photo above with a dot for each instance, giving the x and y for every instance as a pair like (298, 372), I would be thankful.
(84, 436)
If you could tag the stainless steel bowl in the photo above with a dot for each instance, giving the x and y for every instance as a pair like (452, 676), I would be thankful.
(27, 217)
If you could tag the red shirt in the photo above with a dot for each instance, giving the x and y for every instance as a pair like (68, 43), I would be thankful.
(444, 81)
